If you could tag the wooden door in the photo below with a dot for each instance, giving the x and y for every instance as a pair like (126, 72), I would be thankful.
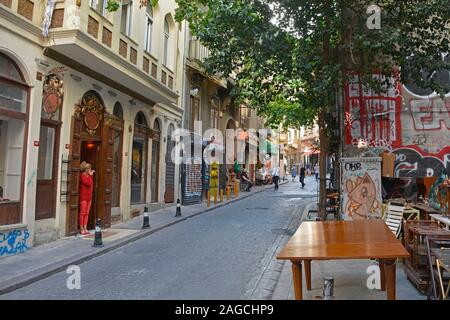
(105, 178)
(169, 194)
(47, 174)
(74, 176)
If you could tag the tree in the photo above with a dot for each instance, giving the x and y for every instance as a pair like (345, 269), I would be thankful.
(291, 59)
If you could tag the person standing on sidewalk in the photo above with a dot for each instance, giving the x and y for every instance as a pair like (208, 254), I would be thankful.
(316, 171)
(86, 190)
(294, 173)
(302, 176)
(276, 176)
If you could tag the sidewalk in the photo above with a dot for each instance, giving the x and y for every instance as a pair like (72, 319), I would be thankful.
(350, 282)
(43, 261)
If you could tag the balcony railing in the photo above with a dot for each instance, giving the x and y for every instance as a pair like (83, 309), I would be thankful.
(197, 51)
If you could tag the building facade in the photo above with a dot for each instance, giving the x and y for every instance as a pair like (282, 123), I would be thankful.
(79, 83)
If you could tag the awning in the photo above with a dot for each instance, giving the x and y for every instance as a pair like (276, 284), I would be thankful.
(308, 152)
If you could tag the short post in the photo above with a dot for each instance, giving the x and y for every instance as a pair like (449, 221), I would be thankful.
(236, 190)
(328, 288)
(98, 242)
(208, 200)
(146, 223)
(178, 212)
(221, 195)
(215, 196)
(228, 193)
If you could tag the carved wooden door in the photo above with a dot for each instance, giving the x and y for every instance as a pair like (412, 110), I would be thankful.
(106, 175)
(74, 176)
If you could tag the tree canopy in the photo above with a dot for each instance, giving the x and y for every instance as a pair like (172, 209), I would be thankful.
(289, 58)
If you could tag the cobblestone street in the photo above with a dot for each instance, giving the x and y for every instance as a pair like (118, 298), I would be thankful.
(227, 253)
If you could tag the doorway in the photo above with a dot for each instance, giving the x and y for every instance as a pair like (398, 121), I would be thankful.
(90, 153)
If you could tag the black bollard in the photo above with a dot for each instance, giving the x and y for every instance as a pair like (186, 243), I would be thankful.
(98, 242)
(178, 213)
(146, 224)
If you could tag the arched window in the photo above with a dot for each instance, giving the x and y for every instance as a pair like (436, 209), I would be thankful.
(118, 111)
(166, 41)
(117, 158)
(148, 27)
(13, 114)
(139, 159)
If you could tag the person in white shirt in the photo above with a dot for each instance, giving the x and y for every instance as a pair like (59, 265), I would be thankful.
(276, 176)
(316, 171)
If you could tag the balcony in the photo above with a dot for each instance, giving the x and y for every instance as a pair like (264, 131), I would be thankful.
(197, 51)
(89, 42)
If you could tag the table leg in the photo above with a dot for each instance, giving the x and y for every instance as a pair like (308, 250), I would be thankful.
(298, 281)
(382, 275)
(308, 274)
(389, 267)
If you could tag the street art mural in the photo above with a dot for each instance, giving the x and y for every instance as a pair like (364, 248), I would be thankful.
(361, 185)
(415, 128)
(13, 242)
(371, 118)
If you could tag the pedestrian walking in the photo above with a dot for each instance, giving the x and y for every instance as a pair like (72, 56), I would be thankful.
(302, 176)
(276, 176)
(316, 171)
(86, 191)
(294, 173)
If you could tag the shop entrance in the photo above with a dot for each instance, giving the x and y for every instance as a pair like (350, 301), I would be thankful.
(92, 140)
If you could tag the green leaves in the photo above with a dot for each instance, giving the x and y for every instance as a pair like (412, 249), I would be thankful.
(112, 5)
(292, 57)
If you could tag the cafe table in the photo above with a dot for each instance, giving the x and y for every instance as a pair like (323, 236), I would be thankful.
(343, 240)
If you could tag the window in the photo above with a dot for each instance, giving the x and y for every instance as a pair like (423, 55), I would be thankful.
(148, 27)
(13, 107)
(118, 111)
(126, 17)
(195, 112)
(117, 158)
(155, 161)
(46, 153)
(166, 41)
(99, 6)
(214, 118)
(139, 159)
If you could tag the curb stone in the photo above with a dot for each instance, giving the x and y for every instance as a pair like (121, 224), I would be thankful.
(56, 267)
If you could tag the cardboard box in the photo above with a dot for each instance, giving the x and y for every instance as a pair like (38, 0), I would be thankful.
(388, 164)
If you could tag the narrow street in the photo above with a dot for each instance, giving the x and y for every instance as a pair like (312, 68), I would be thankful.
(216, 255)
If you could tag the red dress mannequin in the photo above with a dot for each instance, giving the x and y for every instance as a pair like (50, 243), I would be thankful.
(86, 189)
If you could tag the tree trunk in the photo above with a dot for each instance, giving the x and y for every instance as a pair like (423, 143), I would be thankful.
(324, 139)
(324, 144)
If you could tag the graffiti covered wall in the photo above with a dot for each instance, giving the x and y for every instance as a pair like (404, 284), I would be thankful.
(13, 242)
(415, 127)
(361, 187)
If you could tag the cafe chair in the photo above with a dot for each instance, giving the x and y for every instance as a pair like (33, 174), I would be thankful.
(439, 287)
(394, 217)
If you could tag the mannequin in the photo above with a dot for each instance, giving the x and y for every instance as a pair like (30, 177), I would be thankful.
(86, 190)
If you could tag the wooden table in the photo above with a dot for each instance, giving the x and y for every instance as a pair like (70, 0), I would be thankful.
(445, 221)
(425, 210)
(332, 240)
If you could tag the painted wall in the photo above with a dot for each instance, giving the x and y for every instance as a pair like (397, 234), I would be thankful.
(414, 127)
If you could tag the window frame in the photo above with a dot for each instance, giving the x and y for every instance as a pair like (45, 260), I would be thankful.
(166, 43)
(25, 118)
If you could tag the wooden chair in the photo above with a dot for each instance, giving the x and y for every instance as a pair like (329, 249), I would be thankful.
(394, 217)
(437, 275)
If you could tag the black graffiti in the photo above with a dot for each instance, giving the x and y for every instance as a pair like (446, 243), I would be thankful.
(353, 166)
(410, 163)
